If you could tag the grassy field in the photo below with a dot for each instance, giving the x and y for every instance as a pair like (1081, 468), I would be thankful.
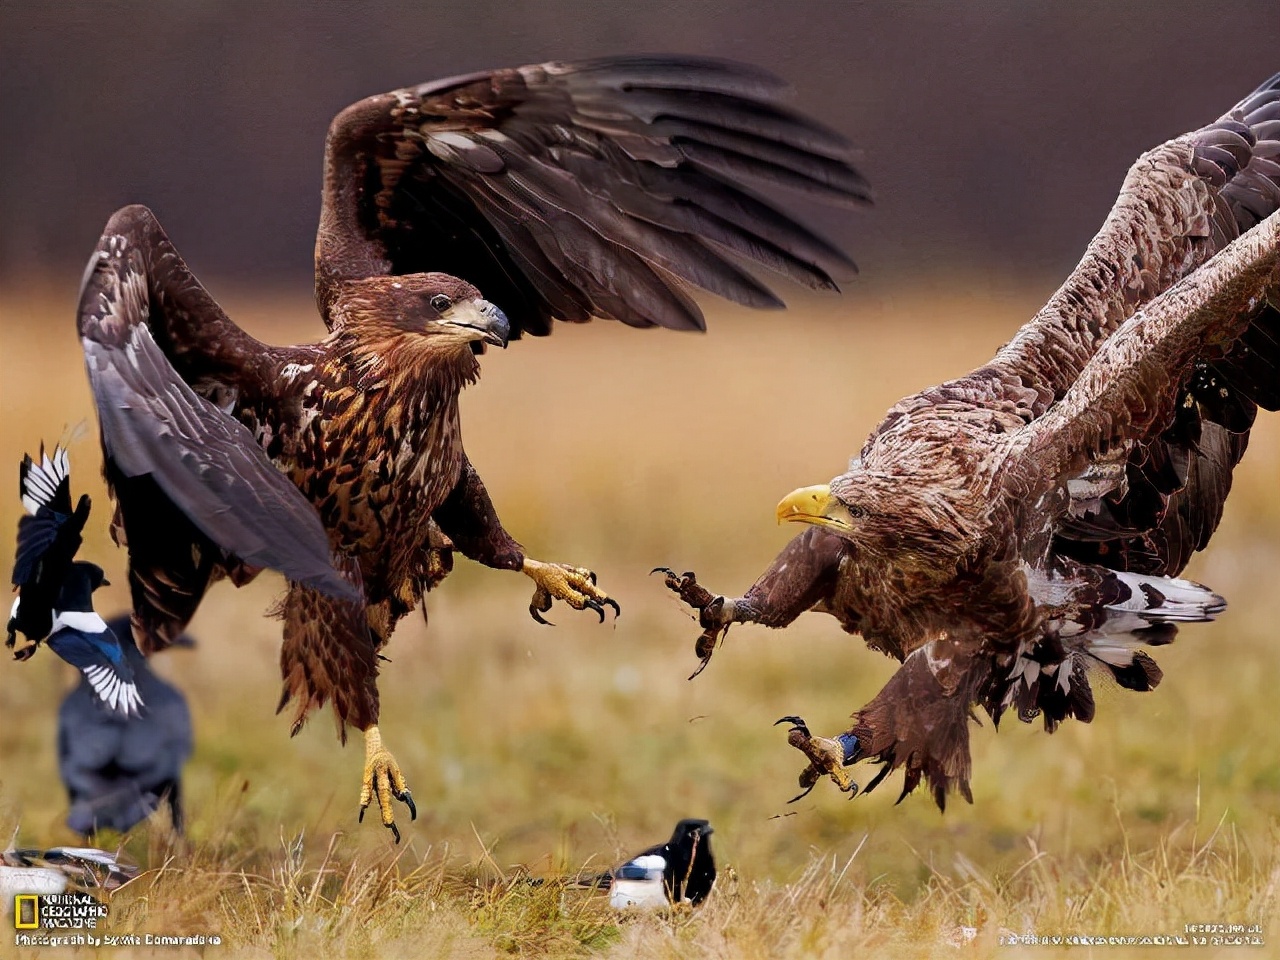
(542, 752)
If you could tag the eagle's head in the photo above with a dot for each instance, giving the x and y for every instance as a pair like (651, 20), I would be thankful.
(447, 313)
(883, 514)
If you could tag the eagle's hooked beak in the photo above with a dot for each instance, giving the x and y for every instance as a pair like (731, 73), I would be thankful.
(816, 505)
(490, 323)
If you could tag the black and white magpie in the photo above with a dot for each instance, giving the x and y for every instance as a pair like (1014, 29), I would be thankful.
(52, 871)
(55, 599)
(682, 870)
(118, 769)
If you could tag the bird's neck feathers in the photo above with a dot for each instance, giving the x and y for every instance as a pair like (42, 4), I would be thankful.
(377, 353)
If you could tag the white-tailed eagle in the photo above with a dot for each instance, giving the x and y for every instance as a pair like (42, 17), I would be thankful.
(457, 213)
(1005, 533)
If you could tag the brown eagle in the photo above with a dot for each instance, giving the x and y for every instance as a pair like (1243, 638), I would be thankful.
(556, 191)
(1007, 532)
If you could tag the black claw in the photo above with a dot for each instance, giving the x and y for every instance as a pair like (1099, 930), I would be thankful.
(592, 605)
(533, 612)
(592, 575)
(610, 602)
(395, 831)
(663, 570)
(801, 796)
(407, 798)
(702, 666)
(360, 819)
(795, 722)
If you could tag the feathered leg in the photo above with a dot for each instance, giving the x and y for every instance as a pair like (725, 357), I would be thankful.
(330, 653)
(802, 577)
(467, 519)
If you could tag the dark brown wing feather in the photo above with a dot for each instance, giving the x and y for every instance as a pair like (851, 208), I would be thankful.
(1131, 392)
(573, 190)
(1175, 483)
(190, 479)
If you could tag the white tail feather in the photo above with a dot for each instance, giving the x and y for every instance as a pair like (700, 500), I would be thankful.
(41, 482)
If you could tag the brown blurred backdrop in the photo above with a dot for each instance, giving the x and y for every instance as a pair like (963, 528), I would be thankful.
(995, 132)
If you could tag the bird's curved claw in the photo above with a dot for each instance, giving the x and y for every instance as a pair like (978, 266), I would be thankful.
(574, 585)
(807, 790)
(828, 756)
(711, 609)
(383, 781)
(539, 605)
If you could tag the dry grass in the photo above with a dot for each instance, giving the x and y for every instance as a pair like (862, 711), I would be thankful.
(534, 751)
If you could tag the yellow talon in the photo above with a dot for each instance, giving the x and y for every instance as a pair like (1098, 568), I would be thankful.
(828, 756)
(383, 779)
(574, 585)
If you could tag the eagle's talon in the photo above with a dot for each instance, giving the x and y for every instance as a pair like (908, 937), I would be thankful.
(383, 782)
(710, 608)
(828, 756)
(406, 797)
(539, 605)
(807, 790)
(574, 585)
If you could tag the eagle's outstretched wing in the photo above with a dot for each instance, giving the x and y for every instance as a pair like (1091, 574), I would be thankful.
(196, 494)
(1146, 377)
(573, 190)
(1159, 500)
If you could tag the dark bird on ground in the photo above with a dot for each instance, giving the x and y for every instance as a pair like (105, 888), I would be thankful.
(1006, 533)
(118, 770)
(682, 870)
(55, 599)
(557, 191)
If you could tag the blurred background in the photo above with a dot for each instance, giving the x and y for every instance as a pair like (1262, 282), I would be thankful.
(995, 135)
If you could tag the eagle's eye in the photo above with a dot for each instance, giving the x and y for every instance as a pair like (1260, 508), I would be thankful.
(858, 513)
(440, 303)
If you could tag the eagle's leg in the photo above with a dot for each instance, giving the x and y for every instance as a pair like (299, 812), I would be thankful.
(383, 779)
(574, 585)
(330, 653)
(828, 756)
(802, 576)
(470, 523)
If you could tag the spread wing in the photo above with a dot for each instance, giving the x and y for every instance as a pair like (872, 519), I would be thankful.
(573, 190)
(196, 494)
(1150, 385)
(1180, 204)
(1147, 507)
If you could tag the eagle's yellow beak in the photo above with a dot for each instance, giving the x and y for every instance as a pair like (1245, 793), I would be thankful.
(816, 505)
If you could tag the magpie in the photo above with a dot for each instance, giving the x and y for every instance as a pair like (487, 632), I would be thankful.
(55, 599)
(118, 769)
(681, 870)
(52, 871)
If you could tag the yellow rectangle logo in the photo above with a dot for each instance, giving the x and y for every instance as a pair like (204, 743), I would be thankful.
(26, 912)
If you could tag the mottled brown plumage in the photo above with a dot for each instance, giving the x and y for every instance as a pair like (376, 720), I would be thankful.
(561, 190)
(1007, 532)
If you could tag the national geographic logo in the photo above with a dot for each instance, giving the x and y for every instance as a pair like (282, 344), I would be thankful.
(61, 911)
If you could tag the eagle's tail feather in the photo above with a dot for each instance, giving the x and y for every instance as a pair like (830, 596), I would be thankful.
(1113, 615)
